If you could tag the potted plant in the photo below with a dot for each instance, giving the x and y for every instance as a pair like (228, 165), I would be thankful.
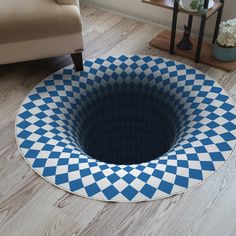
(195, 5)
(225, 47)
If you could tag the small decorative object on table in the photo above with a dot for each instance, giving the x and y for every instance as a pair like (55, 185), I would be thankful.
(195, 5)
(225, 46)
(185, 43)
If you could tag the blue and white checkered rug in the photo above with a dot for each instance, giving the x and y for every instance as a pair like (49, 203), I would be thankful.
(128, 128)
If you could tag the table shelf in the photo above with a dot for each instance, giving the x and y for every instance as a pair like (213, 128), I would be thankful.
(162, 41)
(169, 4)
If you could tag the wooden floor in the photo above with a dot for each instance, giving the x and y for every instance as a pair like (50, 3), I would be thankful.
(31, 206)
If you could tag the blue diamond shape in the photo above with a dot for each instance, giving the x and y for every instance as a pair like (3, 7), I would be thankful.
(223, 147)
(195, 174)
(192, 157)
(182, 163)
(49, 171)
(171, 169)
(144, 177)
(54, 154)
(48, 147)
(113, 178)
(27, 144)
(98, 176)
(63, 161)
(39, 163)
(85, 172)
(110, 192)
(165, 187)
(61, 179)
(92, 189)
(148, 190)
(181, 181)
(32, 153)
(216, 156)
(29, 105)
(73, 167)
(207, 165)
(129, 192)
(24, 124)
(128, 178)
(158, 174)
(227, 136)
(24, 134)
(76, 185)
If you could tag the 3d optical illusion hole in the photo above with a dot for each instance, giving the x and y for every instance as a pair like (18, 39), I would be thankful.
(126, 126)
(82, 131)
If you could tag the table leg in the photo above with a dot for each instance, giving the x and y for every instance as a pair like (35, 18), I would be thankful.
(190, 22)
(173, 28)
(218, 20)
(200, 38)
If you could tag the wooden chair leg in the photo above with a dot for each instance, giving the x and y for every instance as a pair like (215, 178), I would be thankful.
(78, 61)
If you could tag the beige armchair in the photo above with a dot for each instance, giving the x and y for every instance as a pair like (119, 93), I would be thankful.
(34, 29)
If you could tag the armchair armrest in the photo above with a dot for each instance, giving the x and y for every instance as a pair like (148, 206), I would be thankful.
(68, 2)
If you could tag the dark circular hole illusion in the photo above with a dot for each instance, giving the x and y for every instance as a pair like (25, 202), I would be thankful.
(126, 126)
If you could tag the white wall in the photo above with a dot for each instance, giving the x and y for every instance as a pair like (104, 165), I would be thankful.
(135, 8)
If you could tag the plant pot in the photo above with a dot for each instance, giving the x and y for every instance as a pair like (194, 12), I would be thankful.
(224, 54)
(185, 4)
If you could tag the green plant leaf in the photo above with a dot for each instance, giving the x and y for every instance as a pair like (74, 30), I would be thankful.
(199, 6)
(195, 4)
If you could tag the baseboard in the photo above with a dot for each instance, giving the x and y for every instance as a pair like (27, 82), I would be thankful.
(123, 12)
(148, 19)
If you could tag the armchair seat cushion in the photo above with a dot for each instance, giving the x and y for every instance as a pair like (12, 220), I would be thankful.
(34, 19)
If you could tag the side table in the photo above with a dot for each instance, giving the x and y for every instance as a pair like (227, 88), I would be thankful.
(218, 6)
(196, 53)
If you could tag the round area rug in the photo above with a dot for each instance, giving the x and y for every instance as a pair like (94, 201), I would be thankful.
(128, 128)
